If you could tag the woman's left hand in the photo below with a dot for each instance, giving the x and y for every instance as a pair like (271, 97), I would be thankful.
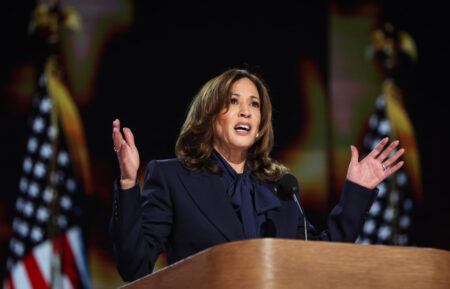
(375, 167)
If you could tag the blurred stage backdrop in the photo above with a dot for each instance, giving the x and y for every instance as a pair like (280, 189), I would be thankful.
(339, 73)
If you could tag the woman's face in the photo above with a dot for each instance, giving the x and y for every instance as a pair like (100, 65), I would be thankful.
(236, 127)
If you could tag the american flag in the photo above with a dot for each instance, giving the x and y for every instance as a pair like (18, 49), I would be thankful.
(389, 220)
(46, 249)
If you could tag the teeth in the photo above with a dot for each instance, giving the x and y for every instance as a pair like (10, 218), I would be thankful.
(243, 127)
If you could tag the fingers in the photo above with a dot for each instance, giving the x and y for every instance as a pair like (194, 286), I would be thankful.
(117, 136)
(387, 151)
(395, 157)
(377, 150)
(117, 139)
(116, 123)
(355, 155)
(393, 169)
(129, 137)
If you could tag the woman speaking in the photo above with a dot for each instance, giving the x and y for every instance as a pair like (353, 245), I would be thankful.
(222, 185)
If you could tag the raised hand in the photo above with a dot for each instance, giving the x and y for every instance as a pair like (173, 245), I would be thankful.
(375, 167)
(127, 155)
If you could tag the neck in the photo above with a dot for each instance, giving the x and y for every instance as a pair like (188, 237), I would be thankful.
(236, 159)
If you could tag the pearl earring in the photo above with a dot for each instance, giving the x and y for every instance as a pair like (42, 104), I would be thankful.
(257, 134)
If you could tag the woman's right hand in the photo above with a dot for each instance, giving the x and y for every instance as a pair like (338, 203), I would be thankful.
(127, 155)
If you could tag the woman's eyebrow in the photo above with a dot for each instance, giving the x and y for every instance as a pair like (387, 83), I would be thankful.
(252, 96)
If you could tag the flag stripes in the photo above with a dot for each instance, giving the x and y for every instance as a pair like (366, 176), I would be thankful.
(34, 271)
(46, 249)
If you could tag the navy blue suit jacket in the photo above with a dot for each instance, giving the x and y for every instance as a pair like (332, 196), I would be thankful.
(184, 212)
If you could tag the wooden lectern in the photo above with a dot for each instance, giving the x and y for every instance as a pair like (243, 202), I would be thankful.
(282, 263)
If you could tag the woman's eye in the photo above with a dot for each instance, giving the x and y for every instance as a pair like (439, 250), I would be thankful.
(233, 101)
(255, 104)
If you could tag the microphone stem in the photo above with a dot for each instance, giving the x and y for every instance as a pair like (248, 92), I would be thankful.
(303, 214)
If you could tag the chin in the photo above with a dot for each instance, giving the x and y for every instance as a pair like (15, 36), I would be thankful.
(243, 145)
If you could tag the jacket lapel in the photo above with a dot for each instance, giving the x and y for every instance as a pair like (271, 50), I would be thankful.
(281, 222)
(207, 191)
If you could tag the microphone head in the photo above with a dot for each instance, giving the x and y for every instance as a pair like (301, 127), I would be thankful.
(287, 186)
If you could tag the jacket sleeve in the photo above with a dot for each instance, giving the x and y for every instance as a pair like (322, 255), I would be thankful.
(140, 224)
(347, 217)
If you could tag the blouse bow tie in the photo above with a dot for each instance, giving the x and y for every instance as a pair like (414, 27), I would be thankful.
(249, 197)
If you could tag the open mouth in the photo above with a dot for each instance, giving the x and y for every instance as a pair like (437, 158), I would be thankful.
(242, 127)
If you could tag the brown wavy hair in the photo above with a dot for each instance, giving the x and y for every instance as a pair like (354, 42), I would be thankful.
(195, 142)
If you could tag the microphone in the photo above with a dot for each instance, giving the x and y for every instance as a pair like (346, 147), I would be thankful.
(287, 189)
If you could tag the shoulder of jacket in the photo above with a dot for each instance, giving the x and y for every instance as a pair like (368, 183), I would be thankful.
(165, 163)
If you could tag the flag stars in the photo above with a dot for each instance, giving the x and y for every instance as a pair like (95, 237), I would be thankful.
(63, 158)
(66, 203)
(39, 170)
(52, 132)
(382, 189)
(28, 209)
(33, 190)
(405, 222)
(36, 234)
(384, 233)
(32, 145)
(46, 105)
(23, 184)
(21, 228)
(71, 185)
(388, 214)
(369, 227)
(17, 247)
(48, 195)
(38, 124)
(401, 178)
(384, 127)
(42, 214)
(16, 223)
(27, 164)
(42, 186)
(19, 204)
(388, 219)
(46, 151)
(375, 209)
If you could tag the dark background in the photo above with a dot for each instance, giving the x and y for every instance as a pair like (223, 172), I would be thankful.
(149, 73)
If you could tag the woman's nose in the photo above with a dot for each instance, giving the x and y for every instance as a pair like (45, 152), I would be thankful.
(244, 111)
